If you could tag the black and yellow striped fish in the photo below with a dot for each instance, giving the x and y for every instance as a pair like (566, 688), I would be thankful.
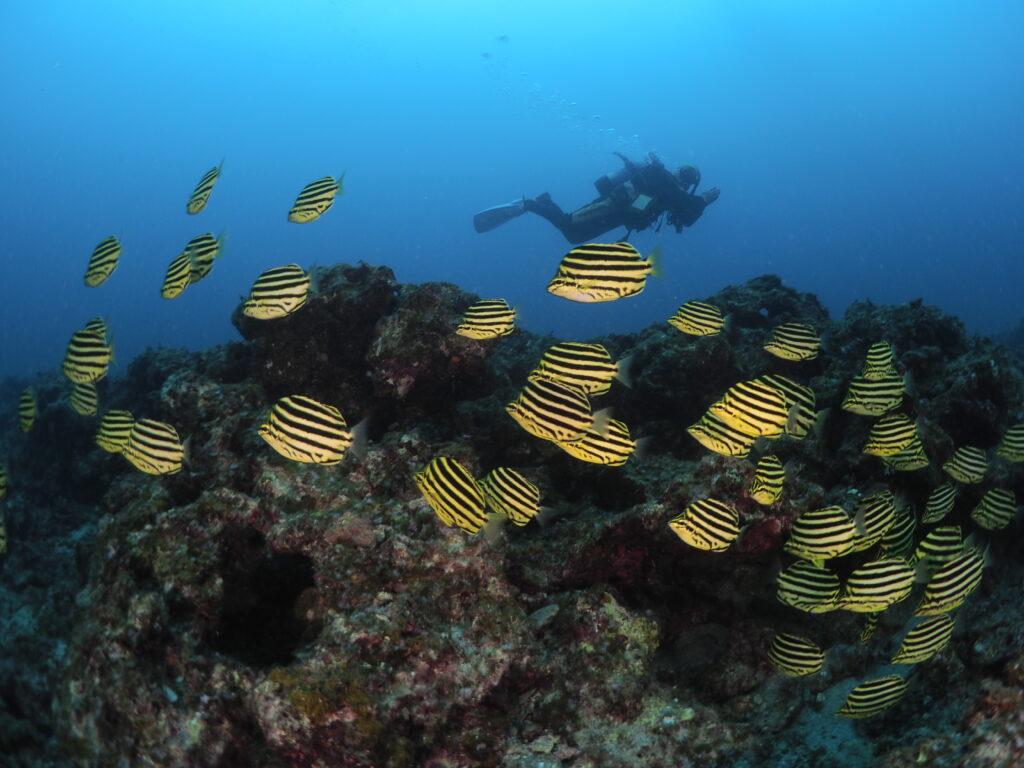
(872, 697)
(487, 319)
(603, 272)
(909, 459)
(613, 448)
(201, 194)
(891, 434)
(940, 545)
(510, 494)
(808, 587)
(874, 397)
(766, 484)
(154, 447)
(793, 341)
(753, 408)
(874, 516)
(553, 411)
(453, 494)
(967, 465)
(303, 429)
(27, 410)
(996, 509)
(878, 363)
(85, 400)
(87, 358)
(103, 262)
(114, 430)
(899, 539)
(868, 630)
(698, 318)
(1011, 446)
(925, 640)
(585, 366)
(707, 524)
(797, 396)
(952, 583)
(278, 292)
(795, 655)
(715, 435)
(822, 534)
(316, 198)
(202, 250)
(876, 585)
(940, 503)
(178, 277)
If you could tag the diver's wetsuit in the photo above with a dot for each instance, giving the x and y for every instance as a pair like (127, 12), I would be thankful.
(634, 198)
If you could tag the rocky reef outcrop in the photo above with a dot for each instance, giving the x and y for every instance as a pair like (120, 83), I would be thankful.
(253, 611)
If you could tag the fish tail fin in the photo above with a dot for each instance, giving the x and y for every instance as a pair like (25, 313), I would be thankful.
(341, 184)
(222, 241)
(624, 373)
(655, 257)
(358, 432)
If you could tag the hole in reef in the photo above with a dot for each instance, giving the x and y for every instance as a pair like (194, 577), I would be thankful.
(259, 623)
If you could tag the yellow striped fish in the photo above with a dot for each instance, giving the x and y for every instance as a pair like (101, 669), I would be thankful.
(201, 194)
(114, 430)
(798, 397)
(878, 363)
(202, 250)
(766, 484)
(103, 262)
(603, 272)
(27, 410)
(822, 534)
(316, 198)
(99, 325)
(707, 524)
(808, 587)
(153, 447)
(967, 465)
(874, 397)
(996, 510)
(889, 435)
(553, 411)
(179, 274)
(487, 319)
(940, 503)
(84, 398)
(795, 655)
(1011, 446)
(925, 640)
(753, 408)
(877, 585)
(909, 459)
(793, 341)
(698, 318)
(510, 494)
(942, 544)
(586, 366)
(87, 358)
(870, 625)
(715, 435)
(613, 448)
(278, 292)
(872, 697)
(874, 516)
(453, 494)
(303, 429)
(952, 583)
(899, 539)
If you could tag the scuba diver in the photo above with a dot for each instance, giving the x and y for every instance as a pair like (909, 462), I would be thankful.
(637, 196)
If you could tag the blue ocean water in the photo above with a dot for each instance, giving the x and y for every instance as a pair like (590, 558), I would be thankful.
(865, 150)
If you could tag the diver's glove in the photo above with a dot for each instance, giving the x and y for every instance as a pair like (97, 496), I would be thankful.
(710, 195)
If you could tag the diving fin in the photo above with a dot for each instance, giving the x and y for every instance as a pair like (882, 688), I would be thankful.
(491, 218)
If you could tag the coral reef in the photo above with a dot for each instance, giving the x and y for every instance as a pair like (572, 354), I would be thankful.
(254, 611)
